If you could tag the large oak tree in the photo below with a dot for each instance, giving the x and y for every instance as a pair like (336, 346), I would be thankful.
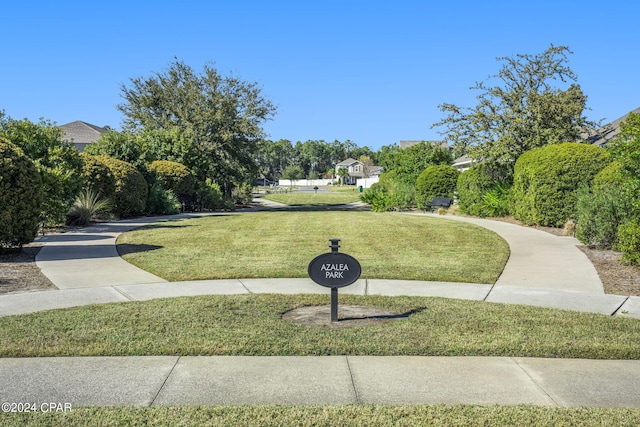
(535, 101)
(221, 114)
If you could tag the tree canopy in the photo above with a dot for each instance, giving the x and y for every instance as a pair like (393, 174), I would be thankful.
(523, 110)
(410, 162)
(57, 161)
(223, 115)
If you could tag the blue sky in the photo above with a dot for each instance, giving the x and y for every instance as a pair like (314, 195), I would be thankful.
(370, 71)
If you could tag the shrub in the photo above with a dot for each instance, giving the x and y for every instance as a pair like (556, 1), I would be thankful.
(174, 176)
(629, 242)
(130, 196)
(483, 191)
(242, 194)
(20, 196)
(600, 211)
(497, 201)
(97, 177)
(58, 163)
(609, 176)
(209, 195)
(88, 204)
(389, 194)
(546, 181)
(161, 201)
(436, 181)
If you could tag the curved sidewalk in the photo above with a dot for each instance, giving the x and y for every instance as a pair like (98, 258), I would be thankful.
(87, 268)
(543, 270)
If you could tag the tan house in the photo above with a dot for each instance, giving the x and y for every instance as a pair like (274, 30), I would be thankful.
(81, 134)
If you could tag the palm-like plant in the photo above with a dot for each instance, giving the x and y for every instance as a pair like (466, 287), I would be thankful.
(87, 205)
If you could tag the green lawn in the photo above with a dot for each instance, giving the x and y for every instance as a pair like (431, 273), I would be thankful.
(332, 198)
(331, 416)
(251, 325)
(257, 244)
(281, 244)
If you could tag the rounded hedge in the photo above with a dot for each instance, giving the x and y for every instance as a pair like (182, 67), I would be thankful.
(610, 176)
(130, 195)
(546, 180)
(174, 176)
(20, 196)
(435, 181)
(97, 176)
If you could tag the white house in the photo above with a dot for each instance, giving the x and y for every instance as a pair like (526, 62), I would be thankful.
(354, 167)
(463, 163)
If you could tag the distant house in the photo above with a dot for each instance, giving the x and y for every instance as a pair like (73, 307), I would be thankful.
(463, 163)
(354, 167)
(81, 134)
(375, 171)
(610, 131)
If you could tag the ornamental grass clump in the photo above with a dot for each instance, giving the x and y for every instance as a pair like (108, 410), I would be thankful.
(88, 205)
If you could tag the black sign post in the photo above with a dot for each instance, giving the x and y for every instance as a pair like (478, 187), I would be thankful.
(334, 270)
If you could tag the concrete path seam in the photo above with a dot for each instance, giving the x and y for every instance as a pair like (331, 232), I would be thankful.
(615, 312)
(488, 293)
(153, 401)
(538, 386)
(123, 293)
(353, 382)
(245, 286)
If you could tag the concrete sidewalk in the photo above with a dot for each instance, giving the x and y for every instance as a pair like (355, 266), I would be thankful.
(89, 258)
(539, 259)
(542, 270)
(611, 305)
(87, 268)
(324, 380)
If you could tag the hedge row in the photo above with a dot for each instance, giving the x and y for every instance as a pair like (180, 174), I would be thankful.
(20, 196)
(546, 181)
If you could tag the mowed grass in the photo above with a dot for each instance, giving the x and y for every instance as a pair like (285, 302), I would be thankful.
(252, 325)
(281, 244)
(331, 416)
(315, 199)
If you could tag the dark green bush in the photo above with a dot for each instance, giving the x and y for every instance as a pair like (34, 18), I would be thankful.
(20, 196)
(97, 177)
(174, 176)
(58, 163)
(161, 201)
(600, 211)
(389, 194)
(436, 181)
(629, 242)
(483, 191)
(130, 196)
(242, 194)
(209, 195)
(546, 181)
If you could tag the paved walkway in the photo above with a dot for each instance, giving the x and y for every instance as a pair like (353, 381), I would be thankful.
(324, 380)
(88, 270)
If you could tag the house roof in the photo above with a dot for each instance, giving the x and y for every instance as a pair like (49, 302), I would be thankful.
(461, 160)
(81, 133)
(610, 131)
(348, 162)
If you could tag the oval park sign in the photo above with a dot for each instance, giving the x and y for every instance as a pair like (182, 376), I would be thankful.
(334, 270)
